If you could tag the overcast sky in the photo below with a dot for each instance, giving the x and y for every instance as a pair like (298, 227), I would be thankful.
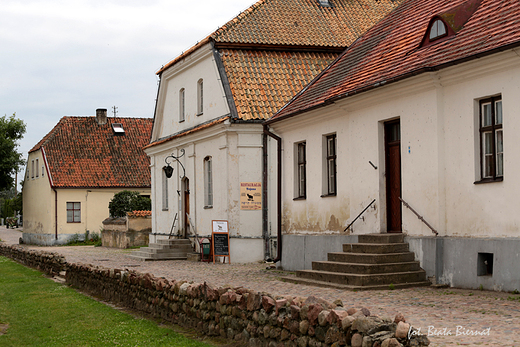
(61, 58)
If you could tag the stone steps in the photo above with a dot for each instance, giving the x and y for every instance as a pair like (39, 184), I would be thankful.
(377, 261)
(165, 249)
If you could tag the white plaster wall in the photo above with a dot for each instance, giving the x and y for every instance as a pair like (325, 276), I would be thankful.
(185, 74)
(236, 152)
(438, 154)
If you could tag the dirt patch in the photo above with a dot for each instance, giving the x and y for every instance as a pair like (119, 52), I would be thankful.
(3, 328)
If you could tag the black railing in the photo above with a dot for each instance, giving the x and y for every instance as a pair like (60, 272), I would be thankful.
(359, 215)
(419, 216)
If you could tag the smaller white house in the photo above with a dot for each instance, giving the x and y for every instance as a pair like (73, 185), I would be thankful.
(212, 100)
(75, 170)
(412, 129)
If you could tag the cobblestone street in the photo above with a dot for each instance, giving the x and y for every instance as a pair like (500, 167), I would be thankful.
(446, 314)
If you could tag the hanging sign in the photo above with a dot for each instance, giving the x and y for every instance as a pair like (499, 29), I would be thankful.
(220, 239)
(250, 195)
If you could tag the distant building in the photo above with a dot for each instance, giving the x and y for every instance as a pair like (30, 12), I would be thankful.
(422, 108)
(212, 100)
(75, 170)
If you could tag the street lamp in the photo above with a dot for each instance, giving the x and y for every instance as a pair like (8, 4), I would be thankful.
(168, 169)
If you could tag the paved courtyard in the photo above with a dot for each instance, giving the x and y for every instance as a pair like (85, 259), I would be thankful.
(448, 315)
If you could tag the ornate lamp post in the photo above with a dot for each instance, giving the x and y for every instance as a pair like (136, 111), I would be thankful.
(168, 169)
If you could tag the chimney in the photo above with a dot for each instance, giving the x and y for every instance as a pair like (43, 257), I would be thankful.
(101, 116)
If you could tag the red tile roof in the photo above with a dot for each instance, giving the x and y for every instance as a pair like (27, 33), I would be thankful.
(82, 154)
(391, 50)
(263, 81)
(297, 24)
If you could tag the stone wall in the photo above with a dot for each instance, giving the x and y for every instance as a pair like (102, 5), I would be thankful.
(244, 316)
(125, 232)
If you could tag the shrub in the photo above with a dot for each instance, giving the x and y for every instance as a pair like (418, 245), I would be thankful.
(127, 201)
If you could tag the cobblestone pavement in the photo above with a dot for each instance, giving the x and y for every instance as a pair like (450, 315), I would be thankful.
(446, 314)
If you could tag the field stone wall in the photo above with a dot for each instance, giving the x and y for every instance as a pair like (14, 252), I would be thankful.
(247, 317)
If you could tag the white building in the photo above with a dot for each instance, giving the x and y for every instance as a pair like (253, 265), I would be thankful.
(424, 108)
(212, 100)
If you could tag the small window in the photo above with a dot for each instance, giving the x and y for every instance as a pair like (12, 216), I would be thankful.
(42, 171)
(182, 109)
(331, 164)
(438, 30)
(164, 191)
(117, 128)
(301, 171)
(491, 140)
(73, 212)
(32, 168)
(37, 167)
(485, 264)
(200, 97)
(208, 183)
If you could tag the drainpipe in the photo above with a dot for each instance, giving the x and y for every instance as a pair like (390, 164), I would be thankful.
(55, 213)
(279, 189)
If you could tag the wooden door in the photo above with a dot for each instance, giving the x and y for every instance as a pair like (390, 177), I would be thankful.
(393, 176)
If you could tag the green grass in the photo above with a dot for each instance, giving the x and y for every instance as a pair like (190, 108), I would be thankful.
(40, 312)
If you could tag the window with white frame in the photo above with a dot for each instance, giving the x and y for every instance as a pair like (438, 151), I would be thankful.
(208, 182)
(491, 139)
(182, 104)
(164, 191)
(200, 97)
(73, 212)
(330, 164)
(301, 164)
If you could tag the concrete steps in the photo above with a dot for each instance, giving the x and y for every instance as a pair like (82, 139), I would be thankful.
(377, 261)
(167, 249)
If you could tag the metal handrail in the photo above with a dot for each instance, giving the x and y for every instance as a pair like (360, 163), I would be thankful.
(419, 216)
(359, 215)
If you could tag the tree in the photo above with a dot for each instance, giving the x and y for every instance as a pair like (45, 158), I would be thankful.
(11, 130)
(127, 201)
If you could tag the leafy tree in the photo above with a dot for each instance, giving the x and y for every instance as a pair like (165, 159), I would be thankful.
(11, 130)
(127, 201)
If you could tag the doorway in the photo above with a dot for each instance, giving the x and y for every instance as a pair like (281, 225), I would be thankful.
(393, 176)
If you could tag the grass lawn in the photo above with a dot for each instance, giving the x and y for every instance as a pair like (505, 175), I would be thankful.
(36, 311)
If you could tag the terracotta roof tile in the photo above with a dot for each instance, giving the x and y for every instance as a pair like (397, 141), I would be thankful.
(392, 50)
(139, 214)
(297, 23)
(81, 153)
(263, 81)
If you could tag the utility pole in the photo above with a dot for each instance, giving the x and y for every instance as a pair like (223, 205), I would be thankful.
(114, 111)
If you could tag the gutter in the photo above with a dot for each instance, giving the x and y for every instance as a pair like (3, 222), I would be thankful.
(279, 192)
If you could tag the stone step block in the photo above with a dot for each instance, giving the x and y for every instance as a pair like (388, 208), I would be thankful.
(381, 238)
(354, 268)
(361, 279)
(375, 248)
(309, 282)
(368, 258)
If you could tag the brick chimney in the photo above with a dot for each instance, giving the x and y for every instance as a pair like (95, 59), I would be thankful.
(101, 116)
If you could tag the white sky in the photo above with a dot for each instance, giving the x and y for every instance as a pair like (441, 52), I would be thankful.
(70, 57)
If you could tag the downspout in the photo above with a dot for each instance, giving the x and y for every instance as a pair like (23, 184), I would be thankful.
(279, 189)
(55, 213)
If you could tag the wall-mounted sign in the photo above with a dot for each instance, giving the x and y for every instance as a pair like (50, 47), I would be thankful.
(250, 195)
(220, 239)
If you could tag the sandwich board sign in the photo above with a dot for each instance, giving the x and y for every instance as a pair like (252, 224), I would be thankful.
(220, 239)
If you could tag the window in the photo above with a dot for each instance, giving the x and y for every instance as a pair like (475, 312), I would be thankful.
(182, 109)
(73, 212)
(491, 140)
(208, 182)
(301, 167)
(437, 30)
(42, 171)
(330, 163)
(164, 191)
(200, 97)
(37, 168)
(32, 168)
